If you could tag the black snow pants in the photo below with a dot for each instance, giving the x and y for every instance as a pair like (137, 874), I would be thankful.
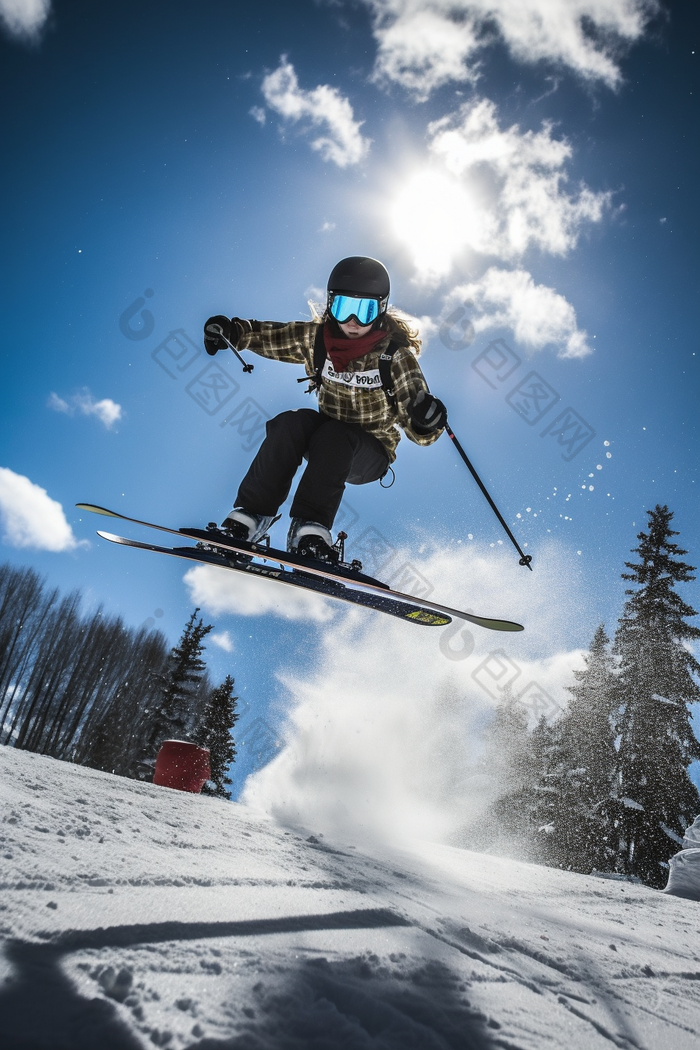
(338, 454)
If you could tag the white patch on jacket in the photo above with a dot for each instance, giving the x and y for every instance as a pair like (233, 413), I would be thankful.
(369, 380)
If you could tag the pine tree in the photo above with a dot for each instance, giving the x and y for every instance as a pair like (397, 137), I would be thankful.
(539, 798)
(511, 767)
(582, 763)
(507, 753)
(181, 693)
(214, 733)
(656, 797)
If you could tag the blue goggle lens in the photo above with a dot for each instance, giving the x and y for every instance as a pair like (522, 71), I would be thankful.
(343, 307)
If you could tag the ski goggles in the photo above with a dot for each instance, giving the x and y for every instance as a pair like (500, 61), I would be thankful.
(345, 307)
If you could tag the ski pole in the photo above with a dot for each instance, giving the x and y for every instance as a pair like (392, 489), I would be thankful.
(525, 559)
(216, 330)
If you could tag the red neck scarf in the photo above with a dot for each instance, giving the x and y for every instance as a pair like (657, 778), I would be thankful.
(341, 349)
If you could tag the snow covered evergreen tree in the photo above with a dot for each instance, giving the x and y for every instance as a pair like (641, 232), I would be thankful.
(656, 798)
(214, 733)
(511, 763)
(574, 808)
(181, 696)
(507, 755)
(538, 799)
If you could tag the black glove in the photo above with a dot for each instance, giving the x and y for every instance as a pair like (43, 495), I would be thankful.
(427, 413)
(232, 329)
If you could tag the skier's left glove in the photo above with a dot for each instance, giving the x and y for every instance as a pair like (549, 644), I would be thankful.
(232, 329)
(427, 413)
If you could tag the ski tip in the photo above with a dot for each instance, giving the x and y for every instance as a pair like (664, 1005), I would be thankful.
(493, 625)
(94, 509)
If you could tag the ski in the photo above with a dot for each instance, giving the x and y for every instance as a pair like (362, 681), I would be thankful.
(297, 570)
(328, 587)
(257, 550)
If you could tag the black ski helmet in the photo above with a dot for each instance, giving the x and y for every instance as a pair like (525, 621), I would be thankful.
(360, 276)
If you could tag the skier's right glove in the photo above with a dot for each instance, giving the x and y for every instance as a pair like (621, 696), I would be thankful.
(232, 329)
(427, 413)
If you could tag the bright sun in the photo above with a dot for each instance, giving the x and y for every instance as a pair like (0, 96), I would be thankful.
(436, 218)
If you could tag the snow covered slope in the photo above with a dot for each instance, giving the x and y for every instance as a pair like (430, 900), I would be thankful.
(135, 916)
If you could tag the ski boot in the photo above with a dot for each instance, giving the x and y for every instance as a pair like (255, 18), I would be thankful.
(242, 524)
(311, 540)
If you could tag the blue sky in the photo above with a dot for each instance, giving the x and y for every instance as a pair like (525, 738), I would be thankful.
(531, 178)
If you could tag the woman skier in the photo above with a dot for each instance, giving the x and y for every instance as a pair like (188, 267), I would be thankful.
(361, 359)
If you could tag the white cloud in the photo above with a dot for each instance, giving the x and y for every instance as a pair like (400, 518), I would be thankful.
(423, 44)
(383, 732)
(59, 405)
(421, 49)
(322, 107)
(531, 207)
(30, 517)
(106, 410)
(223, 639)
(491, 190)
(24, 18)
(219, 591)
(537, 315)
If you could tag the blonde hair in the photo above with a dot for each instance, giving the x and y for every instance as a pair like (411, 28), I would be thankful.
(400, 325)
(392, 320)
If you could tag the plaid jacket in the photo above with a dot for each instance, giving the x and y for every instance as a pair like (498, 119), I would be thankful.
(355, 395)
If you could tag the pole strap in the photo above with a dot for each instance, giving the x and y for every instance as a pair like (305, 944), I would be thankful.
(247, 367)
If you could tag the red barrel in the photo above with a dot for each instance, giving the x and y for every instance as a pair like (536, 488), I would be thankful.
(182, 766)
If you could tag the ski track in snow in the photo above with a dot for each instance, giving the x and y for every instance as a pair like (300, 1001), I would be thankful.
(134, 916)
